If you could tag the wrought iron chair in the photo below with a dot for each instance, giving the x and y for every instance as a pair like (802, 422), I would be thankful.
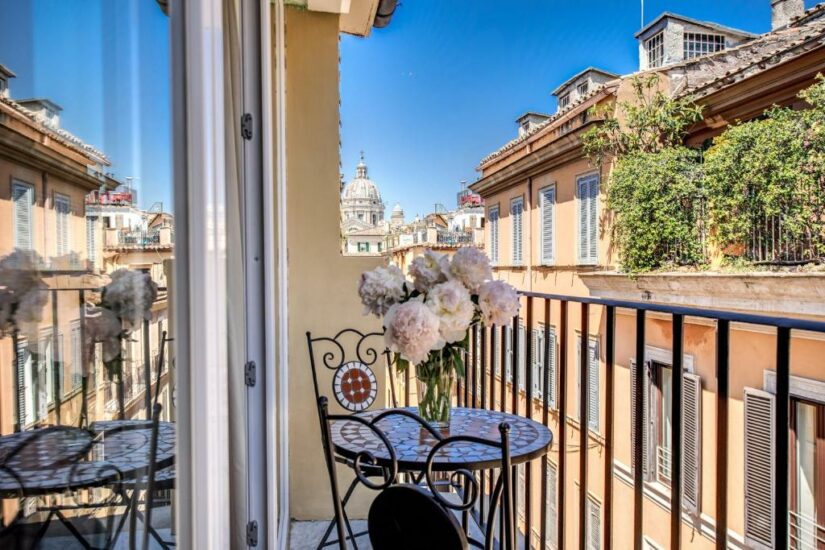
(351, 356)
(399, 512)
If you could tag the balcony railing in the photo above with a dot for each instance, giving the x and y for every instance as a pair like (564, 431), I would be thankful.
(549, 522)
(805, 532)
(454, 237)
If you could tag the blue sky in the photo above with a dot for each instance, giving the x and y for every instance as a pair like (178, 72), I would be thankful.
(106, 62)
(439, 88)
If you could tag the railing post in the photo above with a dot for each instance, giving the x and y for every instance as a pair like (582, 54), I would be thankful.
(722, 359)
(545, 419)
(57, 353)
(638, 453)
(676, 435)
(584, 421)
(783, 354)
(609, 360)
(562, 477)
(528, 386)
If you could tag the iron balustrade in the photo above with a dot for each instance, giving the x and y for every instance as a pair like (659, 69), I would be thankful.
(488, 385)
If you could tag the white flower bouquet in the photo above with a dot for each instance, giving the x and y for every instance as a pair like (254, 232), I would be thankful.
(427, 320)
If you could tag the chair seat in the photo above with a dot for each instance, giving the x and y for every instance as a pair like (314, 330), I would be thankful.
(406, 517)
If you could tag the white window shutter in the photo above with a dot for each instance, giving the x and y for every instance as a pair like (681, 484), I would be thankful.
(537, 362)
(508, 354)
(760, 434)
(593, 412)
(522, 359)
(643, 402)
(594, 524)
(91, 238)
(522, 489)
(497, 344)
(550, 524)
(62, 210)
(581, 190)
(516, 208)
(691, 441)
(593, 219)
(493, 213)
(548, 202)
(23, 199)
(551, 374)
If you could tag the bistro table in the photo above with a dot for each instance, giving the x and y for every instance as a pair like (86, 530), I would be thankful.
(47, 463)
(412, 444)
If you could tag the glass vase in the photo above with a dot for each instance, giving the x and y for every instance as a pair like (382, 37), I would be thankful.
(435, 391)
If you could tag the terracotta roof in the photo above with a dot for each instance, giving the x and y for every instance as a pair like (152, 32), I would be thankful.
(547, 123)
(705, 75)
(61, 135)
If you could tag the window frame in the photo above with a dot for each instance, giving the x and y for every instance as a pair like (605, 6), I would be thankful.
(708, 43)
(655, 49)
(564, 101)
(583, 88)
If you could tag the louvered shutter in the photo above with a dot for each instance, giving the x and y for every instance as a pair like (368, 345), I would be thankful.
(497, 342)
(516, 208)
(593, 387)
(537, 363)
(91, 238)
(634, 402)
(23, 363)
(22, 197)
(493, 213)
(521, 490)
(550, 523)
(594, 525)
(508, 354)
(593, 219)
(581, 190)
(522, 359)
(62, 208)
(551, 371)
(548, 201)
(760, 434)
(691, 441)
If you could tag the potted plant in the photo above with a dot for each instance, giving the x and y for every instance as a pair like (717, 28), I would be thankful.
(427, 320)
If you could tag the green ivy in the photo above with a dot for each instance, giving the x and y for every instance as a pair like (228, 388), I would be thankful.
(771, 168)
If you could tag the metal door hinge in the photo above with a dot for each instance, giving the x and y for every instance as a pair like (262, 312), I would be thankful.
(252, 533)
(250, 374)
(246, 126)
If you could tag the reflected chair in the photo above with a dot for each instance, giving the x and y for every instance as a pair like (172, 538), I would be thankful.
(415, 516)
(350, 357)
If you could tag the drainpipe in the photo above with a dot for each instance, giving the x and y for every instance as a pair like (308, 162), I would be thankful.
(530, 234)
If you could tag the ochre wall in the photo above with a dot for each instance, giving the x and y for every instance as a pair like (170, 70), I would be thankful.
(322, 282)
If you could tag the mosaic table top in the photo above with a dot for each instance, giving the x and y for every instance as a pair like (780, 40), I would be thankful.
(52, 460)
(528, 440)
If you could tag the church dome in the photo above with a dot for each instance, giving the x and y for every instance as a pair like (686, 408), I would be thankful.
(397, 209)
(361, 187)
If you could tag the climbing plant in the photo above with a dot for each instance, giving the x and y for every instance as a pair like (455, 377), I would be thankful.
(765, 182)
(655, 187)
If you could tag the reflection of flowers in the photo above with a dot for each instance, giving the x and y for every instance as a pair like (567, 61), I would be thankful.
(381, 288)
(103, 326)
(130, 296)
(22, 295)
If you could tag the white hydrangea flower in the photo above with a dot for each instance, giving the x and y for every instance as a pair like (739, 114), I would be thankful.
(429, 270)
(103, 326)
(499, 303)
(381, 288)
(411, 329)
(130, 296)
(472, 267)
(452, 304)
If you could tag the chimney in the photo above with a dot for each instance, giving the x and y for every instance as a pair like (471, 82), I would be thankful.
(783, 11)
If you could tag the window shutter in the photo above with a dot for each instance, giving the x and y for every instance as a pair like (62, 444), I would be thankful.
(537, 363)
(508, 354)
(522, 359)
(497, 359)
(760, 433)
(581, 190)
(494, 235)
(91, 238)
(643, 402)
(551, 371)
(594, 527)
(62, 208)
(516, 208)
(522, 489)
(22, 197)
(23, 363)
(593, 219)
(550, 523)
(548, 201)
(593, 387)
(691, 441)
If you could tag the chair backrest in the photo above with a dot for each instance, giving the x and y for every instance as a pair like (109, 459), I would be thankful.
(501, 497)
(352, 357)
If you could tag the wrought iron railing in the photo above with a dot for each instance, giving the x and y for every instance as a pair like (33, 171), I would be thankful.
(805, 533)
(484, 387)
(453, 237)
(663, 464)
(770, 242)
